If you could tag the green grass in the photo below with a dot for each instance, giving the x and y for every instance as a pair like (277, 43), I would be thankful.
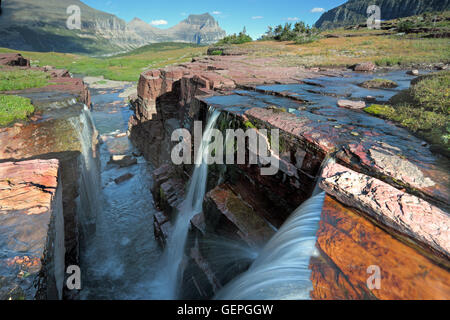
(379, 83)
(424, 109)
(126, 67)
(13, 108)
(433, 92)
(22, 79)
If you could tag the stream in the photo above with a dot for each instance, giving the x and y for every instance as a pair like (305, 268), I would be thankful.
(117, 258)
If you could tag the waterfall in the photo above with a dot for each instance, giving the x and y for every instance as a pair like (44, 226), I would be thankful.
(168, 281)
(281, 271)
(89, 200)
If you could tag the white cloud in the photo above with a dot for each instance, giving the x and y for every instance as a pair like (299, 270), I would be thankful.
(183, 14)
(216, 12)
(257, 17)
(293, 19)
(317, 10)
(158, 22)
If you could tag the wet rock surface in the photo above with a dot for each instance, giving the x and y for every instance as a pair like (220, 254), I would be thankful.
(31, 230)
(349, 244)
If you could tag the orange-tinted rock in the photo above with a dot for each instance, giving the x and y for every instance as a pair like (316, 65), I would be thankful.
(330, 283)
(353, 244)
(27, 187)
(400, 211)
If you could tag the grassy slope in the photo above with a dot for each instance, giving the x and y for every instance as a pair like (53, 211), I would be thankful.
(382, 50)
(122, 67)
(22, 79)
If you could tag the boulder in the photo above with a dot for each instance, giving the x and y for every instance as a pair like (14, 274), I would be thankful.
(351, 104)
(364, 67)
(13, 59)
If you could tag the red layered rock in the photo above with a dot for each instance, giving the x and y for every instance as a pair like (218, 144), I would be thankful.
(32, 230)
(13, 59)
(400, 211)
(350, 244)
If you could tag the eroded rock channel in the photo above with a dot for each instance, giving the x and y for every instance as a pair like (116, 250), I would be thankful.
(93, 176)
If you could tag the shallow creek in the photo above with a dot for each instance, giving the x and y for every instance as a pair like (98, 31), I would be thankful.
(117, 260)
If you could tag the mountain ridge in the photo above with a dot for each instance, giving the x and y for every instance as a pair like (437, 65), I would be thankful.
(40, 25)
(355, 11)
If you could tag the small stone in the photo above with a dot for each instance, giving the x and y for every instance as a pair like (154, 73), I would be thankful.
(123, 178)
(413, 72)
(121, 135)
(351, 104)
(353, 133)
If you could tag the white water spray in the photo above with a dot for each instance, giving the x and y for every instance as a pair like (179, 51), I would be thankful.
(89, 200)
(167, 283)
(281, 271)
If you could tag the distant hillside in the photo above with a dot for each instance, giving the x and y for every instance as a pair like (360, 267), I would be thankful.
(40, 25)
(355, 11)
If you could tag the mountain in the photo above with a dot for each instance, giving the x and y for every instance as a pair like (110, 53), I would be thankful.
(202, 28)
(355, 11)
(199, 29)
(40, 25)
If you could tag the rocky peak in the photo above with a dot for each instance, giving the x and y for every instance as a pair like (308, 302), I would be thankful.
(202, 20)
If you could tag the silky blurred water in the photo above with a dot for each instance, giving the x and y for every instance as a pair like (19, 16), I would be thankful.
(120, 258)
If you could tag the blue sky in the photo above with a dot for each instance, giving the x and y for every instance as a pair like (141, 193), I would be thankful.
(232, 15)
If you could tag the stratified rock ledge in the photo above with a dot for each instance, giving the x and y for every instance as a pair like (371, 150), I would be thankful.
(405, 213)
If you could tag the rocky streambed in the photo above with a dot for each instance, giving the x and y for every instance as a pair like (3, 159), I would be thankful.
(386, 204)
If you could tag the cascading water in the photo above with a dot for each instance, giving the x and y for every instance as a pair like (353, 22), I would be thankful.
(89, 200)
(281, 271)
(167, 283)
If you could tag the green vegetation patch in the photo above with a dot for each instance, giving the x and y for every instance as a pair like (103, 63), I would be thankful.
(217, 53)
(433, 92)
(13, 108)
(424, 109)
(379, 83)
(300, 33)
(236, 39)
(23, 79)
